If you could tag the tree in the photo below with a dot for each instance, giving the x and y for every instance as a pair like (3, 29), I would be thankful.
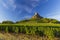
(7, 22)
(54, 21)
(22, 21)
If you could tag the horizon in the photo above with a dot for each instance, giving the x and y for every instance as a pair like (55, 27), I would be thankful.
(15, 10)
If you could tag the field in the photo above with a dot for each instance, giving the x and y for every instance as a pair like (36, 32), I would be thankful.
(49, 30)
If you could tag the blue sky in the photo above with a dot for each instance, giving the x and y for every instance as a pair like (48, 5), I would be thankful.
(16, 10)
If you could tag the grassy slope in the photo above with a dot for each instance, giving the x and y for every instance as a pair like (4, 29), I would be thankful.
(8, 36)
(32, 24)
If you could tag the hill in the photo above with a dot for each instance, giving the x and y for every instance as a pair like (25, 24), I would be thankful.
(36, 18)
(34, 28)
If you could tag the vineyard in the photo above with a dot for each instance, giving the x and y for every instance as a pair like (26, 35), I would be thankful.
(42, 29)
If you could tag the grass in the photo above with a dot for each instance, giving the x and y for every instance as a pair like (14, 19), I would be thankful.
(32, 24)
(9, 36)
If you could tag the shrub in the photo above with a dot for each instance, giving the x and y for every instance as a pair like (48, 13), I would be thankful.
(7, 22)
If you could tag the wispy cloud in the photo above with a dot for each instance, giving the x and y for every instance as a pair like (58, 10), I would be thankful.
(55, 15)
(4, 5)
(27, 17)
(27, 5)
(23, 5)
(8, 4)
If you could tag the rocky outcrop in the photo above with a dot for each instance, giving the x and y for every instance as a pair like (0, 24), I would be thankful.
(37, 16)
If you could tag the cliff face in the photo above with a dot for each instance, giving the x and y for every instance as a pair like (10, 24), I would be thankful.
(36, 16)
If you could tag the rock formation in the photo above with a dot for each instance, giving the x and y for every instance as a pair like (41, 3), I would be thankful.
(36, 16)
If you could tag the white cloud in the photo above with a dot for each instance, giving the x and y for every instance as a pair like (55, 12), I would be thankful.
(35, 0)
(12, 1)
(26, 5)
(27, 17)
(28, 9)
(55, 15)
(8, 4)
(4, 4)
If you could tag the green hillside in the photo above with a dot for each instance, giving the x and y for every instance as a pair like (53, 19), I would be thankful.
(49, 30)
(36, 18)
(37, 25)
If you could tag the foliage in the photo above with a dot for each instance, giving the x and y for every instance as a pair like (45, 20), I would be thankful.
(54, 21)
(43, 20)
(42, 30)
(22, 21)
(41, 27)
(7, 22)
